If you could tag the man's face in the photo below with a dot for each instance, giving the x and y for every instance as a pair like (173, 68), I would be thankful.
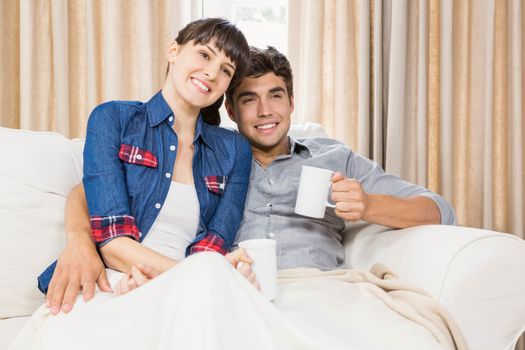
(261, 108)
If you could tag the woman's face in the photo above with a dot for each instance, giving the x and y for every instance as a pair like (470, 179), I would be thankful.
(200, 73)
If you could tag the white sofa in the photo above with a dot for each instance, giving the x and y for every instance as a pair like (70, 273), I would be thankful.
(477, 274)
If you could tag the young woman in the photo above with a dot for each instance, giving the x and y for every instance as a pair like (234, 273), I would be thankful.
(161, 182)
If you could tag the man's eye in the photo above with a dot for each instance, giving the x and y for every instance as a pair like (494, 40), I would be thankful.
(248, 100)
(276, 96)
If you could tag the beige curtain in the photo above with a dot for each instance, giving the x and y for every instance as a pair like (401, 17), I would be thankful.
(60, 58)
(432, 90)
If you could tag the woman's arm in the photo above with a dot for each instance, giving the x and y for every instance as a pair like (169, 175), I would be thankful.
(122, 253)
(227, 218)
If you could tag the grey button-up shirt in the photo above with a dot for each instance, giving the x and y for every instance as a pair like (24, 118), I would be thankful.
(310, 242)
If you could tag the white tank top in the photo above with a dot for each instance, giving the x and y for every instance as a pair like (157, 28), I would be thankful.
(177, 223)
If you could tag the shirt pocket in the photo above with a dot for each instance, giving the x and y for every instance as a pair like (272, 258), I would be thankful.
(135, 155)
(216, 183)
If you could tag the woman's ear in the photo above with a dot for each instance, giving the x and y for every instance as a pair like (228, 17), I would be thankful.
(173, 49)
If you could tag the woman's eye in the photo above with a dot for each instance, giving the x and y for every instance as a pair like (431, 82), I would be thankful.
(204, 55)
(227, 72)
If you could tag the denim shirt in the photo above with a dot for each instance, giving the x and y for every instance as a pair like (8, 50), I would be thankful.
(129, 156)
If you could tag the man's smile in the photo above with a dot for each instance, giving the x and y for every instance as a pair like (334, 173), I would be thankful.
(266, 128)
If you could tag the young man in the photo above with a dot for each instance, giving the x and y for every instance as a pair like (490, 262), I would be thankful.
(261, 105)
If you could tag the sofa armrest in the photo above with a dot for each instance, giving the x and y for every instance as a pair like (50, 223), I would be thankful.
(478, 275)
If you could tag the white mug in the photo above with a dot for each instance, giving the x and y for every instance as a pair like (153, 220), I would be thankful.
(314, 187)
(264, 255)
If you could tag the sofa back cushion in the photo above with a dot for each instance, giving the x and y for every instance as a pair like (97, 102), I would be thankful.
(38, 170)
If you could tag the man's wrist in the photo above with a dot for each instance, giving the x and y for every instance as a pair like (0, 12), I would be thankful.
(370, 208)
(79, 237)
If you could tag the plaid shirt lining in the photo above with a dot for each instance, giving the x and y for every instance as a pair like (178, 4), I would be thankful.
(216, 184)
(211, 242)
(105, 228)
(136, 155)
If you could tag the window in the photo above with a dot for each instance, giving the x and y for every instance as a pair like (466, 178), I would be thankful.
(263, 22)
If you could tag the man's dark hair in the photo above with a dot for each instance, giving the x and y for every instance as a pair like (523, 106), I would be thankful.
(264, 61)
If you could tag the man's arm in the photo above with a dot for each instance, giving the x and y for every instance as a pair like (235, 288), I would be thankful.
(79, 266)
(353, 204)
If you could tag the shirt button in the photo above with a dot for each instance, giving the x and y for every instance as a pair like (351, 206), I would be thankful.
(270, 235)
(269, 205)
(157, 205)
(170, 119)
(168, 175)
(173, 148)
(138, 156)
(140, 234)
(271, 181)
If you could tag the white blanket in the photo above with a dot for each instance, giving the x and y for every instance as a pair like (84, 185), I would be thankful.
(203, 303)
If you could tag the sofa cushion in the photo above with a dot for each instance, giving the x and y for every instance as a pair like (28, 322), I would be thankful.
(38, 171)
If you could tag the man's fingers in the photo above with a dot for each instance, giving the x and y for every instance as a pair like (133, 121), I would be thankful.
(346, 185)
(49, 294)
(337, 177)
(70, 295)
(347, 196)
(103, 283)
(88, 290)
(57, 297)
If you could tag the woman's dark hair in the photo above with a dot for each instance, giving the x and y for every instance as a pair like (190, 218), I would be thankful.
(227, 38)
(264, 61)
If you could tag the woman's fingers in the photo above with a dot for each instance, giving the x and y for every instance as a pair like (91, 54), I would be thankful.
(138, 276)
(122, 286)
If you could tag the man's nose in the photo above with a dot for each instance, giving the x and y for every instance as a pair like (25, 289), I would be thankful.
(263, 109)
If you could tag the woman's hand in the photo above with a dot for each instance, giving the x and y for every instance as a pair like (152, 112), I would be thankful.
(241, 261)
(140, 275)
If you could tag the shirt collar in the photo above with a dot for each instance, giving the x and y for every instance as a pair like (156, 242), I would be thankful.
(159, 111)
(202, 132)
(298, 147)
(295, 147)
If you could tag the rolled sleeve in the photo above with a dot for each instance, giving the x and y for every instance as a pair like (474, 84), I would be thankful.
(212, 242)
(448, 216)
(375, 180)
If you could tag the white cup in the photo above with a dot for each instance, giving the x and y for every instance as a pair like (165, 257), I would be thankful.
(312, 195)
(263, 253)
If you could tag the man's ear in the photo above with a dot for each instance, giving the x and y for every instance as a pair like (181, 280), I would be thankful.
(229, 109)
(292, 104)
